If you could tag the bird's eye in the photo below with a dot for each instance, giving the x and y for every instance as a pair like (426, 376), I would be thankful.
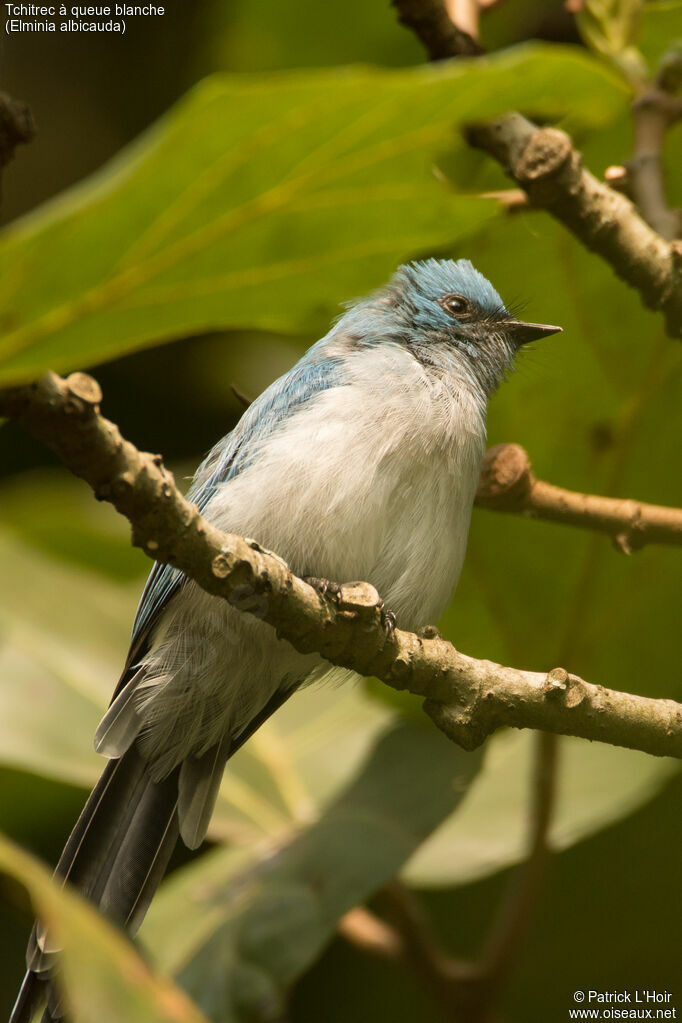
(455, 305)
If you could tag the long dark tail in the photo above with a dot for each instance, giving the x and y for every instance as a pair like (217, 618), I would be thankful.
(116, 856)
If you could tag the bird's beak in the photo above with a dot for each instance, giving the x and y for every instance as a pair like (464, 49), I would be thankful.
(522, 332)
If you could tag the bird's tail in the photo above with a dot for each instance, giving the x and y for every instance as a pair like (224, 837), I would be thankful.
(116, 856)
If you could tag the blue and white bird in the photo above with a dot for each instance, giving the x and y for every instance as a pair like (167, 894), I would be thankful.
(361, 462)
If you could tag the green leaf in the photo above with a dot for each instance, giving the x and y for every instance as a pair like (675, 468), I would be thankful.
(296, 764)
(611, 27)
(661, 29)
(244, 36)
(253, 923)
(102, 976)
(56, 513)
(597, 409)
(263, 202)
(63, 635)
(598, 784)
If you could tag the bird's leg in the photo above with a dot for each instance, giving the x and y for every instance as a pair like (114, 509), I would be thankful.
(325, 587)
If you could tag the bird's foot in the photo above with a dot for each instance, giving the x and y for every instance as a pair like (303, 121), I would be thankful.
(325, 587)
(388, 620)
(429, 632)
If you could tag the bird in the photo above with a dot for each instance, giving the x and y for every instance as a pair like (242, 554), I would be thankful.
(360, 462)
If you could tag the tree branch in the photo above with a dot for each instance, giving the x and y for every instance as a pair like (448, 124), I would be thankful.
(406, 940)
(16, 126)
(507, 484)
(465, 990)
(429, 20)
(653, 112)
(549, 170)
(366, 931)
(517, 908)
(467, 698)
(545, 164)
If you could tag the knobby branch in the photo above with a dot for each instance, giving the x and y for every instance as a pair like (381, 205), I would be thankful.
(467, 698)
(549, 170)
(507, 484)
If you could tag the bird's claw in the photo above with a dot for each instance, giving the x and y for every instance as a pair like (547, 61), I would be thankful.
(325, 587)
(388, 620)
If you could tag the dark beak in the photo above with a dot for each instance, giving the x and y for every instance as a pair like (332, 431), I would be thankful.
(522, 332)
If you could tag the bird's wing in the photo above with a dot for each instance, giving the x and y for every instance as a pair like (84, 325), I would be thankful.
(316, 372)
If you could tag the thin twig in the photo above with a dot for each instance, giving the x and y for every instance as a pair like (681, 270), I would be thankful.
(467, 698)
(545, 164)
(406, 940)
(453, 983)
(547, 167)
(368, 932)
(465, 990)
(507, 484)
(517, 909)
(429, 21)
(653, 112)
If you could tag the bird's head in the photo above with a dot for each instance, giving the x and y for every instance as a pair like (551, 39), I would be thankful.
(444, 308)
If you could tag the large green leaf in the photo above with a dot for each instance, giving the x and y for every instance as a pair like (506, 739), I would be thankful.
(63, 632)
(252, 925)
(598, 410)
(263, 202)
(59, 661)
(63, 637)
(597, 785)
(103, 978)
(661, 29)
(52, 512)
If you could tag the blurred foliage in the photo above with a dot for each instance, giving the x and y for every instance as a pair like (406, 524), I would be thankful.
(261, 184)
(612, 28)
(609, 918)
(250, 929)
(102, 975)
(251, 210)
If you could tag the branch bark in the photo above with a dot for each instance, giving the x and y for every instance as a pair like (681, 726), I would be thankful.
(507, 484)
(653, 113)
(430, 22)
(549, 170)
(16, 126)
(467, 698)
(547, 167)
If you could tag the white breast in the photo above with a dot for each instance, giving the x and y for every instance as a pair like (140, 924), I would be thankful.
(373, 480)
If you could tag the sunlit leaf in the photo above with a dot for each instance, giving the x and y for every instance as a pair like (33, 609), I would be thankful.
(252, 924)
(102, 976)
(56, 513)
(598, 784)
(63, 633)
(303, 188)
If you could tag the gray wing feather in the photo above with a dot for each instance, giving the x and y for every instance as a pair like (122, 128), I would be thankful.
(199, 783)
(315, 373)
(121, 844)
